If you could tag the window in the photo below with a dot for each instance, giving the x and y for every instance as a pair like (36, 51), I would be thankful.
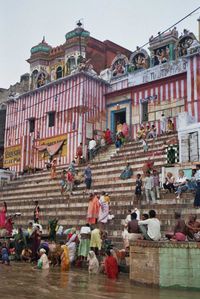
(32, 125)
(59, 72)
(144, 111)
(52, 119)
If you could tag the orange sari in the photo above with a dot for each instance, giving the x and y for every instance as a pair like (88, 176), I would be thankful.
(93, 210)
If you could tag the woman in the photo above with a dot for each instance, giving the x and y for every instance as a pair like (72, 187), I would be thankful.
(125, 130)
(104, 210)
(181, 183)
(43, 262)
(20, 243)
(53, 169)
(108, 137)
(84, 245)
(93, 209)
(127, 172)
(96, 241)
(36, 239)
(93, 267)
(3, 215)
(71, 244)
(169, 182)
(111, 266)
(64, 258)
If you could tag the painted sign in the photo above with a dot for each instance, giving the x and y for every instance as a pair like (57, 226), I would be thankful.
(51, 143)
(12, 156)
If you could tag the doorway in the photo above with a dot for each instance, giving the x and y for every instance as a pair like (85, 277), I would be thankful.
(117, 116)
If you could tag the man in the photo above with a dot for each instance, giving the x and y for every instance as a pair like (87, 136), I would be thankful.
(193, 228)
(88, 177)
(197, 195)
(149, 187)
(91, 147)
(133, 228)
(150, 228)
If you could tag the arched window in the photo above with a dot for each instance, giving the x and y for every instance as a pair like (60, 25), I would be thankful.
(71, 63)
(41, 80)
(59, 72)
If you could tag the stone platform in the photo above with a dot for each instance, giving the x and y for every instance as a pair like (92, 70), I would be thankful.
(165, 264)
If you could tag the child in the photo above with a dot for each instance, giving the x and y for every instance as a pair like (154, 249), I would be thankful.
(5, 255)
(43, 262)
(138, 187)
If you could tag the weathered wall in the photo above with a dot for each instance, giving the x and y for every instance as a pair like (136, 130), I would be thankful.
(165, 264)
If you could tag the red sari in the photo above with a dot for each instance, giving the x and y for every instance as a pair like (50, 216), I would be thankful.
(93, 210)
(108, 137)
(3, 217)
(111, 267)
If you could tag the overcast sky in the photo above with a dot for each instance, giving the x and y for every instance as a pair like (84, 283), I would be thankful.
(126, 22)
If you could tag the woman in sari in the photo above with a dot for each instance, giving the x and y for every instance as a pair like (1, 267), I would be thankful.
(72, 239)
(125, 130)
(3, 215)
(20, 243)
(104, 210)
(53, 169)
(36, 239)
(108, 136)
(65, 258)
(127, 172)
(111, 266)
(93, 209)
(93, 267)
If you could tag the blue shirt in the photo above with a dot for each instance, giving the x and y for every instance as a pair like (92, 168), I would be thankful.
(88, 173)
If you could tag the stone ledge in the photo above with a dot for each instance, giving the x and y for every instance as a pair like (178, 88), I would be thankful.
(165, 244)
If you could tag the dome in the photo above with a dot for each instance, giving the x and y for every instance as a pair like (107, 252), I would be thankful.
(79, 31)
(41, 47)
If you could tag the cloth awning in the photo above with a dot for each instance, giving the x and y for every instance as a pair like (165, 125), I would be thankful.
(51, 149)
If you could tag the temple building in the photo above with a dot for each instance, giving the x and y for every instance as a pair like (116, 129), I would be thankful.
(82, 87)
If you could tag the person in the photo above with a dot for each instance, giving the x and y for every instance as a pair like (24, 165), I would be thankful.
(93, 265)
(152, 132)
(93, 208)
(170, 126)
(181, 183)
(64, 258)
(78, 178)
(179, 233)
(125, 130)
(111, 266)
(169, 182)
(103, 209)
(92, 148)
(26, 255)
(79, 152)
(193, 228)
(147, 131)
(30, 228)
(138, 187)
(156, 183)
(133, 228)
(72, 167)
(5, 254)
(53, 169)
(163, 123)
(108, 136)
(63, 182)
(88, 177)
(145, 145)
(36, 212)
(70, 180)
(20, 243)
(119, 127)
(72, 239)
(191, 183)
(141, 133)
(3, 215)
(149, 187)
(84, 244)
(150, 228)
(127, 172)
(52, 229)
(96, 241)
(118, 141)
(107, 198)
(36, 239)
(197, 194)
(43, 262)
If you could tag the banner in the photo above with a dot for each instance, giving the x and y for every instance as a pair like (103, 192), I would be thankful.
(57, 143)
(12, 156)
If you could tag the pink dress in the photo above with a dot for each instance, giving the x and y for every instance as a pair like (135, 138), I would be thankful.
(2, 218)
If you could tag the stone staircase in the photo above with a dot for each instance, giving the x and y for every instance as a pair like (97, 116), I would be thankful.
(106, 168)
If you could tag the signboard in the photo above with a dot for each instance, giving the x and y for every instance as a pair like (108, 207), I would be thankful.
(12, 156)
(62, 152)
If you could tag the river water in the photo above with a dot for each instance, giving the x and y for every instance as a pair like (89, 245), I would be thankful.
(22, 281)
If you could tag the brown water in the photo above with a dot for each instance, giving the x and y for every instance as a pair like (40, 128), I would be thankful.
(22, 281)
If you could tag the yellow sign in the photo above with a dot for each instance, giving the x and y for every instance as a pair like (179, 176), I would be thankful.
(12, 156)
(51, 141)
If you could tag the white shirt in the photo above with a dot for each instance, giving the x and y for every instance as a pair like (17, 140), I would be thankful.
(148, 183)
(85, 230)
(92, 144)
(153, 228)
(181, 180)
(45, 261)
